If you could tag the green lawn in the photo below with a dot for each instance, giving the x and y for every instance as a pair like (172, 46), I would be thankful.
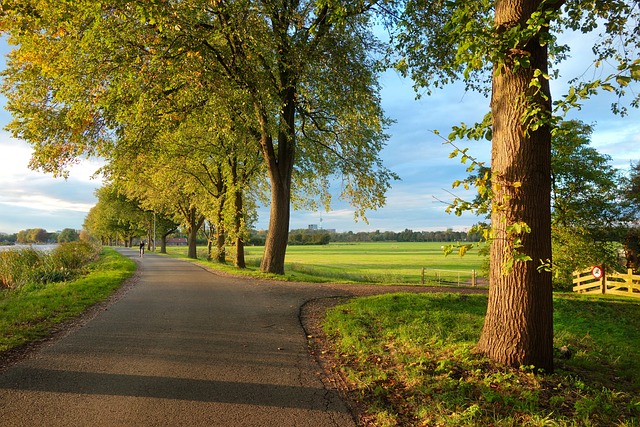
(409, 360)
(384, 262)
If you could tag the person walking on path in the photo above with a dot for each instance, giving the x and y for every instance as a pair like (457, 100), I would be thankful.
(142, 248)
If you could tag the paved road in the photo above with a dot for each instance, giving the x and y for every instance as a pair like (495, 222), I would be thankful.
(183, 347)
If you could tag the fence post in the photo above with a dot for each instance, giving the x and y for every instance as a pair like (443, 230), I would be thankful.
(473, 278)
(603, 280)
(423, 275)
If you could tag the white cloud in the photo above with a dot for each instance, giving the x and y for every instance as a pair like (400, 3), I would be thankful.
(31, 199)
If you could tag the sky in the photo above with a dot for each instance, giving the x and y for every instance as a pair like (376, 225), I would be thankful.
(32, 199)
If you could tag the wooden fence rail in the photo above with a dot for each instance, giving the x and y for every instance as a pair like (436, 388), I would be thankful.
(460, 277)
(613, 283)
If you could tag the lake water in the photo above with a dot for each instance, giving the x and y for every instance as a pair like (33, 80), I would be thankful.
(43, 248)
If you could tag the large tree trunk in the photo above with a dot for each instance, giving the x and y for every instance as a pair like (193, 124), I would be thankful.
(518, 328)
(221, 255)
(275, 247)
(163, 243)
(195, 221)
(238, 231)
(280, 168)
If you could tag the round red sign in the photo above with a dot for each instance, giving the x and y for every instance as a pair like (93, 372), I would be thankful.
(597, 272)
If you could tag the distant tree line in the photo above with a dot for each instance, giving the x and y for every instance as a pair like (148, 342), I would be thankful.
(407, 235)
(40, 236)
(324, 237)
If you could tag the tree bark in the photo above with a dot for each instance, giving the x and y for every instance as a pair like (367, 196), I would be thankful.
(518, 328)
(195, 221)
(240, 261)
(220, 234)
(220, 246)
(280, 168)
(163, 243)
(278, 235)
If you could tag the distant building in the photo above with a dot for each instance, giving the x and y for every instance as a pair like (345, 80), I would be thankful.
(177, 241)
(313, 226)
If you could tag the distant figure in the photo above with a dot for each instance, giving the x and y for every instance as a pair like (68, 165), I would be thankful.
(141, 248)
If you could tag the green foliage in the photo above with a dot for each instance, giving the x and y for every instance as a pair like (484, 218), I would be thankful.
(585, 187)
(33, 235)
(226, 90)
(631, 239)
(68, 235)
(309, 237)
(114, 216)
(16, 266)
(575, 249)
(443, 41)
(409, 359)
(587, 208)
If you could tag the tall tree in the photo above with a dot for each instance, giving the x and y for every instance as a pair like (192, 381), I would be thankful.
(631, 240)
(506, 45)
(586, 201)
(99, 70)
(276, 60)
(68, 235)
(114, 217)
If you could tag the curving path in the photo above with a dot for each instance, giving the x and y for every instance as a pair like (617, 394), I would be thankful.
(183, 347)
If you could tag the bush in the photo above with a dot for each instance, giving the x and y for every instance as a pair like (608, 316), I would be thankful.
(17, 266)
(74, 255)
(30, 266)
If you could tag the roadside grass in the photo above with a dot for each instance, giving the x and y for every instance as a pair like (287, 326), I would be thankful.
(31, 312)
(409, 359)
(372, 263)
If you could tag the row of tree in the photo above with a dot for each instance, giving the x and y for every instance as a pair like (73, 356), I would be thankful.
(447, 235)
(196, 103)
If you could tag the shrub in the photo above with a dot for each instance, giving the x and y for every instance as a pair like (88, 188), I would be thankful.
(18, 266)
(74, 255)
(30, 266)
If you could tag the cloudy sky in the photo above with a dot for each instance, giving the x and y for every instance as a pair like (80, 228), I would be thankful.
(30, 199)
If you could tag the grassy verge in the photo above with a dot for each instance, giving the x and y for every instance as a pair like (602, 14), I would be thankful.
(32, 311)
(409, 359)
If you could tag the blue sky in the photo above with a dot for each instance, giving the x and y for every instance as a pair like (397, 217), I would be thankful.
(30, 199)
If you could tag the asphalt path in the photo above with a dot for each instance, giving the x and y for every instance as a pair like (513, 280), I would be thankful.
(182, 347)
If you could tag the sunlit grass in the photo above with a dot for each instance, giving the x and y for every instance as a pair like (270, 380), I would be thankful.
(383, 263)
(410, 359)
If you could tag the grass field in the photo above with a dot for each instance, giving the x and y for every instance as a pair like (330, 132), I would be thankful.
(383, 262)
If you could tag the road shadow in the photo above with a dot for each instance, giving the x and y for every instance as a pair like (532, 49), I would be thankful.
(187, 389)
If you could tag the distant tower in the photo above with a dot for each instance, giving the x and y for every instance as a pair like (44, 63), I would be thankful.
(320, 220)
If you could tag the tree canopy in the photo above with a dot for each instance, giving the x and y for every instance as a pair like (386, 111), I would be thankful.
(98, 78)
